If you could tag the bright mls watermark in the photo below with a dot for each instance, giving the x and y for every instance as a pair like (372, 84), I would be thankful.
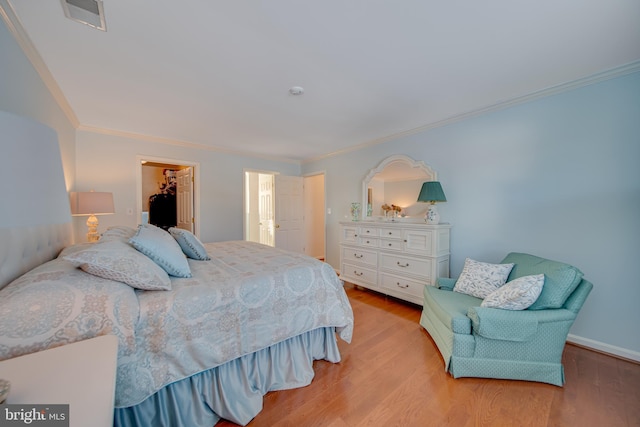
(34, 415)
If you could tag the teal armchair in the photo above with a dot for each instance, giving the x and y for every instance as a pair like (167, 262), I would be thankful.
(494, 343)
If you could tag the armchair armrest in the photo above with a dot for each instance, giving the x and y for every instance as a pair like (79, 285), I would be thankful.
(495, 323)
(445, 283)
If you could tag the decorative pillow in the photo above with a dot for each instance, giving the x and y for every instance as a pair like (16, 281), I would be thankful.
(479, 279)
(117, 260)
(560, 279)
(517, 294)
(190, 244)
(158, 245)
(118, 232)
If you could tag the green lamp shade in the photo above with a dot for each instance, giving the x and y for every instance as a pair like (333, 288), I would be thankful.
(431, 192)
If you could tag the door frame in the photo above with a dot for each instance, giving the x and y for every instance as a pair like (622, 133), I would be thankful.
(196, 185)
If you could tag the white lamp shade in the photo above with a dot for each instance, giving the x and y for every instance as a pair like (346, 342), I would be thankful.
(91, 203)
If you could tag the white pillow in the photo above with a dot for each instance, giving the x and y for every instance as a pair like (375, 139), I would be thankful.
(479, 279)
(190, 244)
(518, 294)
(158, 245)
(117, 260)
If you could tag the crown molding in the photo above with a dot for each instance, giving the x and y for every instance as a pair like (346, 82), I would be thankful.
(620, 71)
(180, 143)
(16, 28)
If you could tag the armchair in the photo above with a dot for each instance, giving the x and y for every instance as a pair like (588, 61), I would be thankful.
(488, 342)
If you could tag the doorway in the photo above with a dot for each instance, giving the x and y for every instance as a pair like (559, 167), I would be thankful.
(285, 211)
(167, 193)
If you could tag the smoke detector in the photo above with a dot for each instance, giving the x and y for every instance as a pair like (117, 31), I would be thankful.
(296, 90)
(88, 12)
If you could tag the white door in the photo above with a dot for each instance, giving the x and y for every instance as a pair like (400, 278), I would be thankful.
(289, 213)
(184, 199)
(265, 208)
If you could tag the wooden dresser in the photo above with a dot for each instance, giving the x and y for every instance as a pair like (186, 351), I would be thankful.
(395, 258)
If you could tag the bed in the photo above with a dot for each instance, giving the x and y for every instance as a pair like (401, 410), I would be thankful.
(206, 346)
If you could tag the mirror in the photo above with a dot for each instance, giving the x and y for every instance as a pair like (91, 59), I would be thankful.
(395, 181)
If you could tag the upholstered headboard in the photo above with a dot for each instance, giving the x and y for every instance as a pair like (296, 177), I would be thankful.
(35, 218)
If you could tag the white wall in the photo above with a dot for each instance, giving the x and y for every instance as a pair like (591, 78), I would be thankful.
(23, 92)
(557, 177)
(109, 163)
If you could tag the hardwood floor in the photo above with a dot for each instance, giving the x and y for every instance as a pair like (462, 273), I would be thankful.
(392, 375)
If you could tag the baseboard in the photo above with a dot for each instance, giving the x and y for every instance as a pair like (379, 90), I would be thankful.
(604, 348)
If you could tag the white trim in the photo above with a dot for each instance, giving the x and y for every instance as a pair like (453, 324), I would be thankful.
(180, 143)
(605, 348)
(620, 71)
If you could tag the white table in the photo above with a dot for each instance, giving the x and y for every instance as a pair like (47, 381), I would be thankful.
(81, 374)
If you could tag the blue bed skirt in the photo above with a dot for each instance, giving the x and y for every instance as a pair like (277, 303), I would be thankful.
(234, 390)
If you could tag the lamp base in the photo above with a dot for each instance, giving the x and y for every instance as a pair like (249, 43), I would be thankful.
(432, 216)
(92, 226)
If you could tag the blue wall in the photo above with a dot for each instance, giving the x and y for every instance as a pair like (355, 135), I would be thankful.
(557, 177)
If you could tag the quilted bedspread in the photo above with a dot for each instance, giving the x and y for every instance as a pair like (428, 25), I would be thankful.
(246, 298)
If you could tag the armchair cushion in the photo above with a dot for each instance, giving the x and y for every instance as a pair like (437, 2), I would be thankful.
(560, 279)
(450, 308)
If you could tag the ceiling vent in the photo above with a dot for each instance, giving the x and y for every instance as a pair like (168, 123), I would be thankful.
(88, 12)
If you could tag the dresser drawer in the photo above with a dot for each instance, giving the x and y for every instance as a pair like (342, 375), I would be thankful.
(372, 242)
(391, 233)
(358, 274)
(406, 265)
(400, 284)
(394, 245)
(369, 232)
(360, 256)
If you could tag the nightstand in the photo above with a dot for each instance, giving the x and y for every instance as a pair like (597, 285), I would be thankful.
(82, 374)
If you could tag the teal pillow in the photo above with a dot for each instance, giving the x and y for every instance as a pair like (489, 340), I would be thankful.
(190, 244)
(158, 245)
(560, 279)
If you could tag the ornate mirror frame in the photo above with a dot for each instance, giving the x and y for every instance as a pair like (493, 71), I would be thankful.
(416, 169)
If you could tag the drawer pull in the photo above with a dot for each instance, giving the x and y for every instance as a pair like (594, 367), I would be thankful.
(402, 265)
(368, 231)
(402, 286)
(390, 233)
(390, 244)
(358, 255)
(368, 242)
(357, 274)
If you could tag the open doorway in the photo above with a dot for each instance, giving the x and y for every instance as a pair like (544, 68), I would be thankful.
(167, 193)
(286, 212)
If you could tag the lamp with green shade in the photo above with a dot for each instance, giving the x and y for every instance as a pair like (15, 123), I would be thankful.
(432, 192)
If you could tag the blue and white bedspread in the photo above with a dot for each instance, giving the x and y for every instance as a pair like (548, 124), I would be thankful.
(248, 297)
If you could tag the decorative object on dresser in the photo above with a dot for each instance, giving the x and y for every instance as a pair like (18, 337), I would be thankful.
(432, 193)
(91, 203)
(395, 258)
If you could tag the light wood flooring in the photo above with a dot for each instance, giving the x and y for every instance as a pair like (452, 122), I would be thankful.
(392, 375)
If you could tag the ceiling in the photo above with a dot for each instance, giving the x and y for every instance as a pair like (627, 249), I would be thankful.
(217, 73)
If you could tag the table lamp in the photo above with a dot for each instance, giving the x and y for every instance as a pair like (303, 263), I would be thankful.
(91, 203)
(432, 192)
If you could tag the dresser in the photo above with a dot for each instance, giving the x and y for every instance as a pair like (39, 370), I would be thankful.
(395, 258)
